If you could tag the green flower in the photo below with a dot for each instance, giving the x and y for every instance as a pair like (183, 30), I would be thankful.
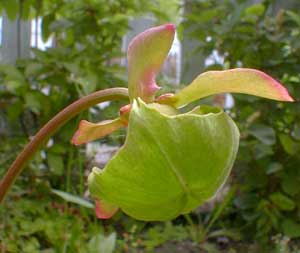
(171, 162)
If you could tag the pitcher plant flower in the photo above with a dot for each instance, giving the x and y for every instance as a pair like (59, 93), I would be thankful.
(171, 162)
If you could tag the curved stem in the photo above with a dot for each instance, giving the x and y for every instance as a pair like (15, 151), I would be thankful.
(51, 127)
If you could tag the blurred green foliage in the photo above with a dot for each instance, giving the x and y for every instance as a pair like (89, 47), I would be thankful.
(86, 57)
(266, 37)
(88, 37)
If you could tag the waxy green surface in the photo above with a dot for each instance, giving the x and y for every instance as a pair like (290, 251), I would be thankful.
(168, 165)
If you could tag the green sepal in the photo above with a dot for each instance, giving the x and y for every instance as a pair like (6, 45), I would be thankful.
(239, 80)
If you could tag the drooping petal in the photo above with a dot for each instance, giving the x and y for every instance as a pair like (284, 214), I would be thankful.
(104, 209)
(88, 131)
(240, 80)
(146, 54)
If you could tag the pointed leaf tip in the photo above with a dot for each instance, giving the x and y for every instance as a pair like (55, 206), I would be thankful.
(239, 80)
(88, 131)
(105, 210)
(146, 54)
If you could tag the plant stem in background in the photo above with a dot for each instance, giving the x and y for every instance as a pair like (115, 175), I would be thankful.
(51, 127)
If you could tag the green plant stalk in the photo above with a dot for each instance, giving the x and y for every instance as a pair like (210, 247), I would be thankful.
(69, 169)
(81, 172)
(51, 127)
(194, 230)
(220, 208)
(70, 161)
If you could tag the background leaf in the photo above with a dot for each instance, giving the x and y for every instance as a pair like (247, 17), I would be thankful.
(56, 163)
(263, 133)
(102, 244)
(282, 201)
(291, 228)
(73, 198)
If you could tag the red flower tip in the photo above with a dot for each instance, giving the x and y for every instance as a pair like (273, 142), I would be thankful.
(165, 98)
(105, 210)
(75, 137)
(284, 94)
(125, 109)
(170, 27)
(124, 114)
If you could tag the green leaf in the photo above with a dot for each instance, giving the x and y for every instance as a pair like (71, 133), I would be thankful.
(56, 163)
(290, 146)
(247, 81)
(255, 9)
(168, 165)
(102, 244)
(88, 83)
(46, 21)
(33, 69)
(293, 16)
(290, 183)
(14, 86)
(33, 101)
(206, 15)
(261, 150)
(273, 168)
(26, 9)
(296, 132)
(282, 201)
(15, 111)
(263, 133)
(12, 73)
(11, 8)
(146, 54)
(73, 198)
(291, 228)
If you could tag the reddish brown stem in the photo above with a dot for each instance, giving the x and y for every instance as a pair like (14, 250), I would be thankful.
(51, 127)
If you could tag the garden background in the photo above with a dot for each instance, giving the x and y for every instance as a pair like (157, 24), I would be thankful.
(55, 51)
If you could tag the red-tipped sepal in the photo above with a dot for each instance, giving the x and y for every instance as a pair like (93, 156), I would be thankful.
(104, 209)
(88, 131)
(146, 54)
(240, 80)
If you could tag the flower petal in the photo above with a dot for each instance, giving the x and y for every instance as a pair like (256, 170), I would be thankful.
(88, 131)
(104, 209)
(146, 54)
(240, 80)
